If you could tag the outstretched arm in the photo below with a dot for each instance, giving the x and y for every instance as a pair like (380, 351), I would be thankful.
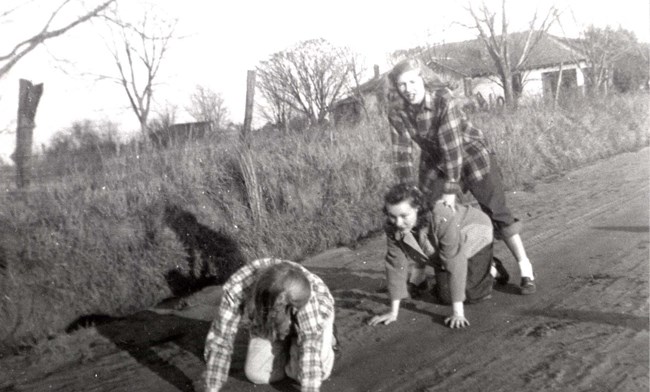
(450, 140)
(403, 160)
(219, 343)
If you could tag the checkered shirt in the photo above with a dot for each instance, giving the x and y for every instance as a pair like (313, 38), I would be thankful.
(451, 148)
(310, 322)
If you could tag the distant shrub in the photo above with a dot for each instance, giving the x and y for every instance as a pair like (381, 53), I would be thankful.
(83, 147)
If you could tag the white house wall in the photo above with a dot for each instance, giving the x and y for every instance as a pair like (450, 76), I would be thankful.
(532, 83)
(487, 87)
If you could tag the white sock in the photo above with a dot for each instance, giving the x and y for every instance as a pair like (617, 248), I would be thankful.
(526, 269)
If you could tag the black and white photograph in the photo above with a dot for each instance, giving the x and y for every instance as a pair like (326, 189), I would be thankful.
(324, 196)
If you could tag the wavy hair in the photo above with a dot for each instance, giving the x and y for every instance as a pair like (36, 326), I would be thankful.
(278, 293)
(432, 81)
(411, 193)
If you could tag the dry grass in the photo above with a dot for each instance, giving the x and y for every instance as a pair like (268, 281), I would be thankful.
(96, 241)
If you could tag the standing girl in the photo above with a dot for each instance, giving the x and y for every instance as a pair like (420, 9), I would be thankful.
(454, 156)
(291, 314)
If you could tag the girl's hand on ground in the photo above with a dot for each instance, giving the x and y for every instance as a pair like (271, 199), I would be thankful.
(383, 319)
(455, 321)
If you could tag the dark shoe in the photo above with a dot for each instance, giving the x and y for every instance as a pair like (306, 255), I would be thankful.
(503, 277)
(527, 286)
(416, 291)
(477, 300)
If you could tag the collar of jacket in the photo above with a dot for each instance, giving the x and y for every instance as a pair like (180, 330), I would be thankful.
(421, 230)
(427, 104)
(410, 240)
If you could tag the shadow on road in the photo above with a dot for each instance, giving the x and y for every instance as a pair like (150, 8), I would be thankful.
(591, 316)
(629, 229)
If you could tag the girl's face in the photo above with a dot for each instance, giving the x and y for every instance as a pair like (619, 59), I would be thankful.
(402, 215)
(282, 322)
(411, 86)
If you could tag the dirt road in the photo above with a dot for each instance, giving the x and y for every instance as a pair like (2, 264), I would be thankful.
(586, 329)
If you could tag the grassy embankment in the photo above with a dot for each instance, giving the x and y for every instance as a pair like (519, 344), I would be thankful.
(116, 240)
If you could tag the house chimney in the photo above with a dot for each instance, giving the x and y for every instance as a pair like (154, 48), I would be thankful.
(376, 71)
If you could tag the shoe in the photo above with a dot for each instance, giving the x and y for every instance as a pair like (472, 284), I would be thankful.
(503, 277)
(527, 286)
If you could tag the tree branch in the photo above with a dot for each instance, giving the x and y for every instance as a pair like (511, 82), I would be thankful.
(23, 48)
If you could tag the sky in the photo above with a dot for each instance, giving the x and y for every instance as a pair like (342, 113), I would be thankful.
(218, 41)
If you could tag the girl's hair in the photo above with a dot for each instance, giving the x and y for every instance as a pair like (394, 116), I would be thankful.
(405, 192)
(431, 79)
(278, 291)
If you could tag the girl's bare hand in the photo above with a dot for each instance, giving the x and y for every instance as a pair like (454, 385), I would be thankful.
(385, 319)
(455, 321)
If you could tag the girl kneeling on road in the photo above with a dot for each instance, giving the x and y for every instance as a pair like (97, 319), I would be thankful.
(291, 314)
(457, 244)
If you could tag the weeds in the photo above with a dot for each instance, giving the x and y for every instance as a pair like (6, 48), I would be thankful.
(95, 239)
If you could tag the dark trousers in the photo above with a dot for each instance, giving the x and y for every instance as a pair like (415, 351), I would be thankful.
(479, 280)
(490, 195)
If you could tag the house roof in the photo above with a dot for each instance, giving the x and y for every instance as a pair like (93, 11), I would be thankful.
(373, 85)
(471, 58)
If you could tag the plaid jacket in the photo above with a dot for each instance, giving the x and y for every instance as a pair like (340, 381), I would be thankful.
(310, 320)
(451, 148)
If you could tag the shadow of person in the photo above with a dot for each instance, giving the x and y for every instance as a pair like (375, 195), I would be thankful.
(212, 255)
(171, 347)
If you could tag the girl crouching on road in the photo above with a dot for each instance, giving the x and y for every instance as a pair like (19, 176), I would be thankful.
(291, 314)
(458, 245)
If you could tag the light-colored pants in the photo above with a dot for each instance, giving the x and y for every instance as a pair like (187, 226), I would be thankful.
(268, 361)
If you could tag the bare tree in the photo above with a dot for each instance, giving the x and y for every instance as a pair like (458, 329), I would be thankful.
(308, 78)
(138, 50)
(499, 44)
(604, 48)
(357, 69)
(273, 104)
(208, 105)
(56, 25)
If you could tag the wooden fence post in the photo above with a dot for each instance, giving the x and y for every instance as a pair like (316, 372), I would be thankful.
(556, 98)
(248, 114)
(28, 97)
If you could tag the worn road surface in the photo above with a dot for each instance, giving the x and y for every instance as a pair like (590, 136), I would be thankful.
(586, 329)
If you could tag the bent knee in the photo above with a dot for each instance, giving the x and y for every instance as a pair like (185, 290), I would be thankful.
(258, 375)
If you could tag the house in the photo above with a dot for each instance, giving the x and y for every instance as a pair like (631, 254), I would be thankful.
(470, 71)
(469, 64)
(180, 133)
(367, 99)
